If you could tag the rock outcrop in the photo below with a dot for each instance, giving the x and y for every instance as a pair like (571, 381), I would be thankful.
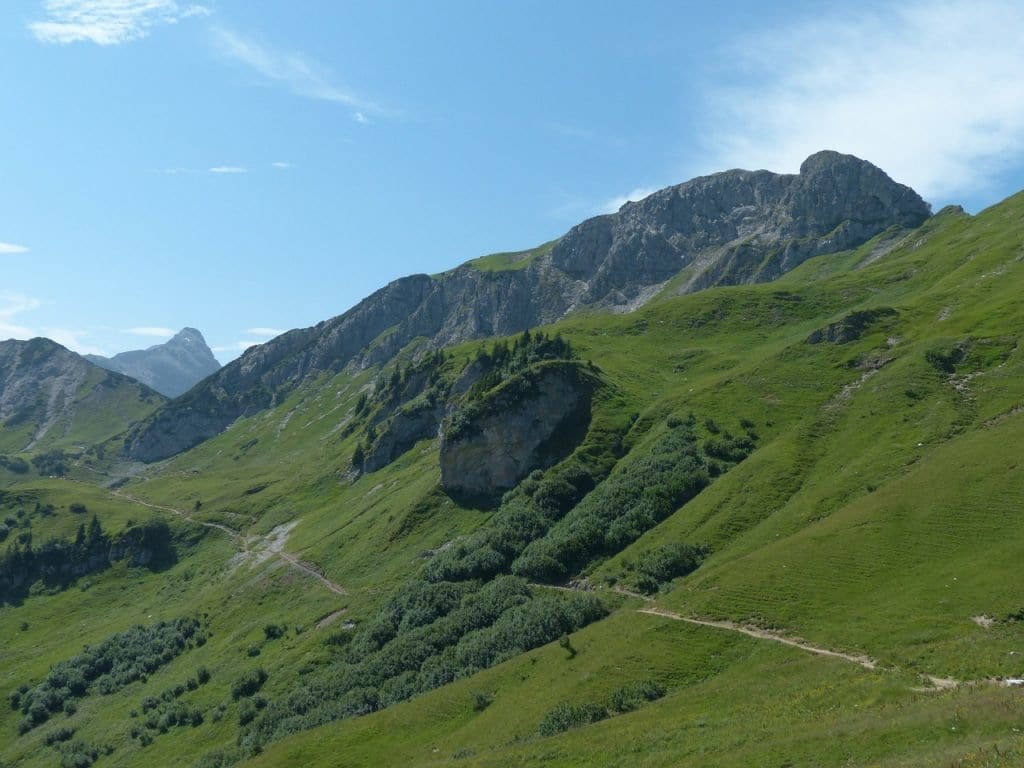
(529, 422)
(852, 326)
(728, 228)
(403, 430)
(171, 368)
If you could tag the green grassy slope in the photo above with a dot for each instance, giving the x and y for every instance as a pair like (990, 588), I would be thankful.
(877, 515)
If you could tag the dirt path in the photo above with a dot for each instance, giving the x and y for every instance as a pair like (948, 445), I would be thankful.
(296, 563)
(763, 634)
(866, 662)
(245, 544)
(184, 516)
(936, 683)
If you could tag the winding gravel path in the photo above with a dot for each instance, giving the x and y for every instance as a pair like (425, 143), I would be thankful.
(244, 543)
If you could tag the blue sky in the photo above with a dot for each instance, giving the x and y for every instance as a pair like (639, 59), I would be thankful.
(248, 167)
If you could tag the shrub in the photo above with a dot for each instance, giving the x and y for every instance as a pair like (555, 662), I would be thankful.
(481, 701)
(566, 716)
(631, 697)
(667, 562)
(274, 631)
(249, 683)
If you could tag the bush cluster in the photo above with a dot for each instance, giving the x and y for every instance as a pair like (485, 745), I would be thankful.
(567, 715)
(15, 464)
(426, 636)
(119, 660)
(52, 463)
(644, 492)
(662, 564)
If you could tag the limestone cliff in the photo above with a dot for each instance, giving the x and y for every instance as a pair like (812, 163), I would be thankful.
(529, 422)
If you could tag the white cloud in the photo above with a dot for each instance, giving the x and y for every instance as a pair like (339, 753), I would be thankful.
(12, 248)
(928, 90)
(302, 75)
(108, 22)
(227, 169)
(267, 332)
(11, 305)
(360, 118)
(282, 165)
(238, 346)
(613, 205)
(72, 339)
(160, 333)
(171, 171)
(14, 304)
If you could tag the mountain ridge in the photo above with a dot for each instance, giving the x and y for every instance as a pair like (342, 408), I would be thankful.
(46, 390)
(727, 228)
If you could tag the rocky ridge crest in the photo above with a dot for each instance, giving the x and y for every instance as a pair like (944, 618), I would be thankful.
(728, 228)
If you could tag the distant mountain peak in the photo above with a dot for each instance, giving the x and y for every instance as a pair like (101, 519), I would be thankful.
(171, 368)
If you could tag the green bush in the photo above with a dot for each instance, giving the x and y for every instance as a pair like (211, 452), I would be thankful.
(249, 683)
(661, 565)
(566, 716)
(648, 489)
(115, 663)
(634, 696)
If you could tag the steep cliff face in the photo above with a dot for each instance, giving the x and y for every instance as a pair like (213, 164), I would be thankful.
(528, 423)
(50, 394)
(728, 228)
(171, 368)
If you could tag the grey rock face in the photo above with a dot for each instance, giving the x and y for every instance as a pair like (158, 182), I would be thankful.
(529, 423)
(401, 432)
(171, 368)
(728, 228)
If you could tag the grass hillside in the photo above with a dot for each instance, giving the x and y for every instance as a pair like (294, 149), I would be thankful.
(828, 460)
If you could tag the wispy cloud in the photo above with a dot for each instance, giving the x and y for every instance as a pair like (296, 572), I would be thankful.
(301, 74)
(72, 339)
(237, 346)
(160, 333)
(108, 22)
(260, 335)
(613, 205)
(281, 165)
(12, 305)
(12, 248)
(227, 169)
(928, 90)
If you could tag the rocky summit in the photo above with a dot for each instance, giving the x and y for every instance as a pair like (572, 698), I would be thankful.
(171, 368)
